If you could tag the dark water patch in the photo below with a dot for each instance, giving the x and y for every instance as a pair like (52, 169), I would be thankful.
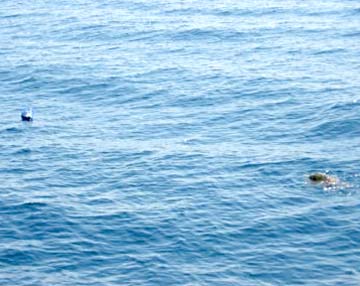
(17, 257)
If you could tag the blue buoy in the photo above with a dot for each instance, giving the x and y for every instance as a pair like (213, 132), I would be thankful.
(27, 115)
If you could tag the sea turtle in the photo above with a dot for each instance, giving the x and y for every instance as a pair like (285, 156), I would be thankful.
(323, 178)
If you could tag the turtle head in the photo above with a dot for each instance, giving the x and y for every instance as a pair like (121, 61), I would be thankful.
(317, 177)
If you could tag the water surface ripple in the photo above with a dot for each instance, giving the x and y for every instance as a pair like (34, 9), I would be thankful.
(172, 140)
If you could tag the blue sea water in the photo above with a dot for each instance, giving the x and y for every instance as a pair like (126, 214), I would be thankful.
(172, 139)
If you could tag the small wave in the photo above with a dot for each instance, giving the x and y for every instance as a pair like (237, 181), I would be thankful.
(250, 12)
(183, 11)
(207, 34)
(22, 151)
(12, 16)
(331, 51)
(28, 79)
(336, 129)
(352, 34)
(11, 130)
(355, 11)
(344, 106)
(23, 207)
(16, 257)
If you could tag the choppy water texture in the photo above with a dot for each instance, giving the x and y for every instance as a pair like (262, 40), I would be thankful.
(172, 140)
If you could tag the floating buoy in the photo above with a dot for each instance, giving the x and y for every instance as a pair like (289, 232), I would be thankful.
(27, 115)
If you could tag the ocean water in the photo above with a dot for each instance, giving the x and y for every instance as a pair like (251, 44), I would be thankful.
(171, 142)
